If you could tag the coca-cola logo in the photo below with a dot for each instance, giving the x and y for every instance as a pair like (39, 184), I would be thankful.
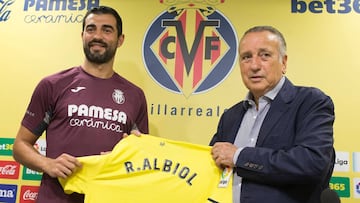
(9, 169)
(30, 195)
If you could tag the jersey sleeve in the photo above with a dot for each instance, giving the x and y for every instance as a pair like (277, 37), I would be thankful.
(39, 110)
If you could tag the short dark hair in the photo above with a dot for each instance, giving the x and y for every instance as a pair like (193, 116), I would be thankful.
(105, 10)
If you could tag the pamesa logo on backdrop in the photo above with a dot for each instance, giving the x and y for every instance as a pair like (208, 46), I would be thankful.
(37, 11)
(190, 48)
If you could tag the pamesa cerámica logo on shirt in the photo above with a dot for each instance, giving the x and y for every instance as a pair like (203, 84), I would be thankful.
(191, 47)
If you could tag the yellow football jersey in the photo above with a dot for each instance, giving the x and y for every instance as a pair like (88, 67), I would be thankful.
(151, 169)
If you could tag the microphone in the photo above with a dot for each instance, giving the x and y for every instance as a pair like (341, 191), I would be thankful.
(329, 196)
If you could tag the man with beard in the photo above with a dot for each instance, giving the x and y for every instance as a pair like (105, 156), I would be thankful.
(84, 110)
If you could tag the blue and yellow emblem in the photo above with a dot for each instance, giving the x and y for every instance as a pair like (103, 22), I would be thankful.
(190, 48)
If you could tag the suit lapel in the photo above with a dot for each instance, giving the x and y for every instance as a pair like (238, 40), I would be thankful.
(278, 107)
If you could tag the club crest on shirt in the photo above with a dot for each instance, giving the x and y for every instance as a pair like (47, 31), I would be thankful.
(118, 96)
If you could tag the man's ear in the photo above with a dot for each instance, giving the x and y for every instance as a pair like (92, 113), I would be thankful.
(121, 40)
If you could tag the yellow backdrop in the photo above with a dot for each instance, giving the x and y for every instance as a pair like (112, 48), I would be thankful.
(38, 39)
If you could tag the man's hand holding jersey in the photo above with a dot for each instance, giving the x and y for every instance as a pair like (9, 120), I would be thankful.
(223, 153)
(63, 166)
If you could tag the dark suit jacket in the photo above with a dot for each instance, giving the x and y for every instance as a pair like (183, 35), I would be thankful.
(294, 156)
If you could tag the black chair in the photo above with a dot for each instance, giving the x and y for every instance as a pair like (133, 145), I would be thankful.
(329, 196)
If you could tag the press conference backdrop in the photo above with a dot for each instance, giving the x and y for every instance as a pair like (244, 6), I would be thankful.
(190, 75)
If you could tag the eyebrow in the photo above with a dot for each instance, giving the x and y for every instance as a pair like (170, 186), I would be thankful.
(108, 26)
(103, 26)
(264, 49)
(245, 53)
(257, 51)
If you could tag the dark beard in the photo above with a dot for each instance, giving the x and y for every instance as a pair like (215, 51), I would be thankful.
(98, 58)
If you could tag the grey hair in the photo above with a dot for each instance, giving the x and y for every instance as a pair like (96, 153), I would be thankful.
(276, 32)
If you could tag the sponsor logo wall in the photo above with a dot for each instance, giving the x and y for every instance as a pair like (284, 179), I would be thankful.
(184, 55)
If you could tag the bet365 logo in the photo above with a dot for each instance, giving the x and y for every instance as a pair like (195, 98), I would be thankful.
(6, 146)
(325, 6)
(190, 48)
(341, 185)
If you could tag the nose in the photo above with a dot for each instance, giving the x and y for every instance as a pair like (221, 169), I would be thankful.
(255, 63)
(97, 34)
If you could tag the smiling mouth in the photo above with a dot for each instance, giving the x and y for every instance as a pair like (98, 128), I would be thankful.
(97, 44)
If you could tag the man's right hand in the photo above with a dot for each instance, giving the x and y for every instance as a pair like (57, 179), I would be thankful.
(63, 166)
